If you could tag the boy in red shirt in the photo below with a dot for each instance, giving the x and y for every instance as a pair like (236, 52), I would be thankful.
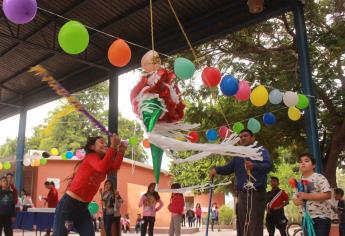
(53, 196)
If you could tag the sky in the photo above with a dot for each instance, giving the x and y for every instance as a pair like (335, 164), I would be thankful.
(36, 116)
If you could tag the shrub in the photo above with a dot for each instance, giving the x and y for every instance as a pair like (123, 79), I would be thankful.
(225, 215)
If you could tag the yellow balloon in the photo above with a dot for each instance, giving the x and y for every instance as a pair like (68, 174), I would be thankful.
(294, 114)
(54, 151)
(0, 166)
(259, 96)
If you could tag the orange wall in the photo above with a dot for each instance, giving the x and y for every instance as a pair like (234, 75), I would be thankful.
(130, 183)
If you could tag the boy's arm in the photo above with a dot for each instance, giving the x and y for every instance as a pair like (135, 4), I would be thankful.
(315, 196)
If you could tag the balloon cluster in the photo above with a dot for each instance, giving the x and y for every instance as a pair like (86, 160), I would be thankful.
(241, 90)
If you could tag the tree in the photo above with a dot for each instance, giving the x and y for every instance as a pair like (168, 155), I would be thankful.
(8, 149)
(67, 129)
(267, 54)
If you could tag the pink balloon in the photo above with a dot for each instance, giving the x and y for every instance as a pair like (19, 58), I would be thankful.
(150, 61)
(80, 154)
(224, 132)
(243, 92)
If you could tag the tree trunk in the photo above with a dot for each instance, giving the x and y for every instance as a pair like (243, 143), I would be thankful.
(336, 147)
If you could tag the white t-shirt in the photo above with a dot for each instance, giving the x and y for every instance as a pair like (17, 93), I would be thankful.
(317, 183)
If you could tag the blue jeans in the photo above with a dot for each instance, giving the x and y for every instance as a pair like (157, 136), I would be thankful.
(322, 226)
(342, 229)
(74, 212)
(108, 221)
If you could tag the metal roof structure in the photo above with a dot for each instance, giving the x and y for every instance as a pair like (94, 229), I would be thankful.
(24, 46)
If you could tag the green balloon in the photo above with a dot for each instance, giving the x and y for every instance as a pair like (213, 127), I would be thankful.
(184, 68)
(63, 156)
(73, 37)
(254, 125)
(133, 141)
(303, 102)
(43, 161)
(7, 165)
(237, 127)
(93, 208)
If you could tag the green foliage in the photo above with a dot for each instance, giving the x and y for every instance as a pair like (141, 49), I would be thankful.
(9, 148)
(226, 214)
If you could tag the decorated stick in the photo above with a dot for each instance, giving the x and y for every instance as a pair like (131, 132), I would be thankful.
(209, 206)
(293, 184)
(60, 90)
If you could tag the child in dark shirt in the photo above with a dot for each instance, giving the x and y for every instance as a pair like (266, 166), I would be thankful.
(339, 194)
(7, 208)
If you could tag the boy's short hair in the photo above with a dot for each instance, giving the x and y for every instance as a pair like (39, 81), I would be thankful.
(47, 183)
(339, 191)
(247, 131)
(11, 174)
(310, 157)
(52, 183)
(275, 178)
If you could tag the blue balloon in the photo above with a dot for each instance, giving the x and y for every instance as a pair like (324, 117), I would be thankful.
(269, 118)
(211, 134)
(275, 96)
(69, 154)
(229, 85)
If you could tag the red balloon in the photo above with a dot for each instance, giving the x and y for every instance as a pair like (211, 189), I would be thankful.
(224, 132)
(210, 77)
(193, 136)
(146, 143)
(119, 53)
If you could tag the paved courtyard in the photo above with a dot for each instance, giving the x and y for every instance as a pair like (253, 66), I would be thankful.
(225, 232)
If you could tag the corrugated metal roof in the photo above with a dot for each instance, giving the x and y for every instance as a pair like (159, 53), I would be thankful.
(36, 42)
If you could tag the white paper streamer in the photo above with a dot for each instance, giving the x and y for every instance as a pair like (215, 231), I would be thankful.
(188, 189)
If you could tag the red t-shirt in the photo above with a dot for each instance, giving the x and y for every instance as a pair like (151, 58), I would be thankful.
(92, 173)
(176, 204)
(52, 198)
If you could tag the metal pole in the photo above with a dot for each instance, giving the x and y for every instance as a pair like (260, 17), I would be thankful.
(20, 150)
(113, 114)
(307, 88)
(209, 206)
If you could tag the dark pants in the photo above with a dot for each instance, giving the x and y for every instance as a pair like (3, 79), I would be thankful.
(198, 221)
(150, 221)
(342, 229)
(183, 220)
(6, 223)
(117, 224)
(108, 221)
(321, 227)
(250, 211)
(274, 221)
(214, 221)
(190, 222)
(75, 214)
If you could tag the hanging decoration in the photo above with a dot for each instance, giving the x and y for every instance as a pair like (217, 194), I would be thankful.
(275, 96)
(237, 127)
(303, 102)
(210, 77)
(80, 153)
(193, 136)
(7, 165)
(243, 92)
(259, 96)
(54, 151)
(184, 68)
(119, 53)
(146, 143)
(224, 132)
(150, 62)
(229, 85)
(73, 37)
(290, 99)
(294, 114)
(19, 11)
(60, 90)
(269, 119)
(211, 135)
(254, 125)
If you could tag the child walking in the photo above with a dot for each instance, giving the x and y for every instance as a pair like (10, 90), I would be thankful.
(176, 207)
(316, 193)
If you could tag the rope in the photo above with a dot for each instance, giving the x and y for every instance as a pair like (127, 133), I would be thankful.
(101, 32)
(151, 24)
(183, 31)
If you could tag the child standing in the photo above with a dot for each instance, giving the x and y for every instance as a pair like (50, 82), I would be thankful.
(339, 194)
(138, 223)
(7, 207)
(149, 201)
(316, 193)
(107, 197)
(198, 213)
(176, 207)
(215, 216)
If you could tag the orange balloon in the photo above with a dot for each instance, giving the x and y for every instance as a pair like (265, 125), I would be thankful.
(146, 143)
(119, 53)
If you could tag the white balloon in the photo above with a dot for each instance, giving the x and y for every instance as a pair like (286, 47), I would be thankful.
(290, 99)
(275, 96)
(27, 162)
